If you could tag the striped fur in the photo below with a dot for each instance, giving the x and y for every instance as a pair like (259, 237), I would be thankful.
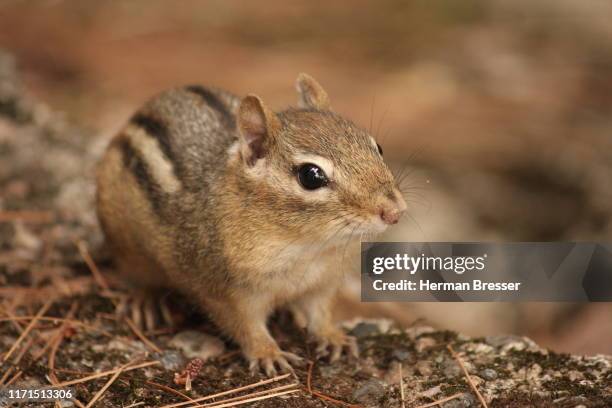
(133, 161)
(213, 100)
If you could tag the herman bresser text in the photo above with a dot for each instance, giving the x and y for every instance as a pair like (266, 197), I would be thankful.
(520, 271)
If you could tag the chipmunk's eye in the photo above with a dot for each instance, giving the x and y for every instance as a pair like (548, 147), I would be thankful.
(311, 176)
(379, 149)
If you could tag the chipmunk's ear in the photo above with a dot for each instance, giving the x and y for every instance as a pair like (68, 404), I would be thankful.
(310, 93)
(257, 125)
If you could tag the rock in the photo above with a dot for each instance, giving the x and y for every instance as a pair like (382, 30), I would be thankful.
(488, 374)
(451, 369)
(172, 360)
(360, 327)
(329, 371)
(503, 340)
(534, 372)
(480, 348)
(26, 241)
(424, 343)
(370, 392)
(424, 368)
(575, 375)
(195, 344)
(392, 376)
(414, 332)
(511, 342)
(464, 401)
(364, 330)
(126, 345)
(401, 355)
(432, 392)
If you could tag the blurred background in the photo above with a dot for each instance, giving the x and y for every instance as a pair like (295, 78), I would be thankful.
(500, 112)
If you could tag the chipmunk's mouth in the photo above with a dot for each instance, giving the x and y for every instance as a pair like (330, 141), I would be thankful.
(365, 226)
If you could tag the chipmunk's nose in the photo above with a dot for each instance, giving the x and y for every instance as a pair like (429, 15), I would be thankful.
(392, 208)
(390, 216)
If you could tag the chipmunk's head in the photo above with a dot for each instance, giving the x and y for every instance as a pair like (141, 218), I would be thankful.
(317, 172)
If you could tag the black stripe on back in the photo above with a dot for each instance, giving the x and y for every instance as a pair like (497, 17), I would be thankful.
(214, 102)
(156, 129)
(136, 165)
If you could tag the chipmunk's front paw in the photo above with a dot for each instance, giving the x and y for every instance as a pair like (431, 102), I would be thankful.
(270, 358)
(334, 342)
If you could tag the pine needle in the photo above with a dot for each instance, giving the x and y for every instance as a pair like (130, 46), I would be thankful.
(102, 390)
(29, 328)
(467, 376)
(104, 374)
(228, 392)
(224, 404)
(440, 401)
(141, 336)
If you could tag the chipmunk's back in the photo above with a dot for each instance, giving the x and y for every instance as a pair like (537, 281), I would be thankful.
(174, 147)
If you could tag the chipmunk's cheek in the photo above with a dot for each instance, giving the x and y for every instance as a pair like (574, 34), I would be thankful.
(377, 226)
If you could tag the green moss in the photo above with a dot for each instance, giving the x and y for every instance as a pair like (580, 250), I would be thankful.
(442, 337)
(450, 389)
(551, 360)
(382, 346)
(558, 385)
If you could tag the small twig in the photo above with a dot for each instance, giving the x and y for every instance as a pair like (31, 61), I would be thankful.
(401, 384)
(98, 277)
(108, 384)
(319, 394)
(15, 378)
(57, 341)
(24, 350)
(26, 216)
(223, 404)
(440, 401)
(104, 374)
(15, 362)
(141, 336)
(78, 403)
(136, 404)
(309, 377)
(171, 390)
(467, 376)
(44, 349)
(57, 320)
(76, 286)
(6, 374)
(330, 399)
(29, 328)
(248, 396)
(14, 322)
(232, 391)
(66, 371)
(38, 355)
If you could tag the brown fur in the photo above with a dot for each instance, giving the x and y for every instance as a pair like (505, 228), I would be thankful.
(222, 218)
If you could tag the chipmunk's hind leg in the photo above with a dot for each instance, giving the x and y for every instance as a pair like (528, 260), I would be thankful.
(148, 309)
(136, 238)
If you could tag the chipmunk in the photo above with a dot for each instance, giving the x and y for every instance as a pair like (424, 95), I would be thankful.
(243, 209)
